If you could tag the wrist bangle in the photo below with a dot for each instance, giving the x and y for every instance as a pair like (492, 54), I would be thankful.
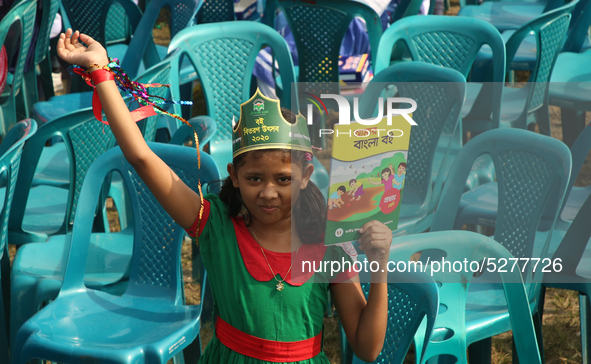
(101, 75)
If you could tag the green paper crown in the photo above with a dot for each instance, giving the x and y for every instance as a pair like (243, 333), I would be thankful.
(261, 126)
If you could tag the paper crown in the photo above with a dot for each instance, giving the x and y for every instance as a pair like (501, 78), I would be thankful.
(261, 126)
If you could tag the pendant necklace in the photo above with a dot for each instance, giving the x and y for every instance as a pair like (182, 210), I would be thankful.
(279, 284)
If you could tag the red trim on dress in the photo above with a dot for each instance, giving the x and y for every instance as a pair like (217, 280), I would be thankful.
(259, 269)
(267, 350)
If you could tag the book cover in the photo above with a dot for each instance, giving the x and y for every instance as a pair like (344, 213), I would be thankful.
(353, 68)
(367, 172)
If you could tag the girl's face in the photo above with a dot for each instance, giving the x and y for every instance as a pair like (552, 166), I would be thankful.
(352, 184)
(268, 181)
(385, 175)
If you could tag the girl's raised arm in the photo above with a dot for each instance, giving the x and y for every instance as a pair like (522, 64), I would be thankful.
(181, 203)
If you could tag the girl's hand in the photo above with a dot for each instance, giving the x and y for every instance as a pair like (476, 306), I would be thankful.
(72, 51)
(375, 241)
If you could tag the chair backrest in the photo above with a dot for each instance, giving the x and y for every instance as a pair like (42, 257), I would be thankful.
(49, 9)
(215, 11)
(166, 73)
(572, 248)
(533, 173)
(142, 45)
(318, 28)
(224, 55)
(579, 26)
(85, 139)
(23, 16)
(90, 17)
(155, 268)
(411, 298)
(450, 328)
(451, 42)
(549, 30)
(10, 157)
(439, 93)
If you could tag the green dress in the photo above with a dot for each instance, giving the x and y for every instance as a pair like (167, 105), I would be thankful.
(253, 306)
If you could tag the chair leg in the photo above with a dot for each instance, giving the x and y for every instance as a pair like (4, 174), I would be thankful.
(537, 318)
(480, 351)
(585, 316)
(4, 358)
(542, 116)
(573, 123)
(5, 284)
(192, 353)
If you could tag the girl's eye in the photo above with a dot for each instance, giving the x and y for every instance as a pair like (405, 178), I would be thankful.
(255, 179)
(284, 179)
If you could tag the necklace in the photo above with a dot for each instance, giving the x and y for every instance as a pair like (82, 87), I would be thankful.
(279, 284)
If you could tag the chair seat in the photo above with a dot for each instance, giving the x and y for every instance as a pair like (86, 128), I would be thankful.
(53, 168)
(570, 87)
(108, 252)
(121, 331)
(59, 105)
(504, 15)
(575, 200)
(46, 209)
(479, 206)
(511, 107)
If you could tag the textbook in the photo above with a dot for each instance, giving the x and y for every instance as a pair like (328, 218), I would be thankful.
(353, 69)
(367, 172)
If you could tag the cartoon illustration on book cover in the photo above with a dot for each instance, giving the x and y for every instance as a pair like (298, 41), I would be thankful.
(367, 173)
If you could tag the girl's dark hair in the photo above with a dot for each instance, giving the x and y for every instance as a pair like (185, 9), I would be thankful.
(352, 180)
(385, 170)
(309, 210)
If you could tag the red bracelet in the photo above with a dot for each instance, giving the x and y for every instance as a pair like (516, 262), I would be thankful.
(101, 75)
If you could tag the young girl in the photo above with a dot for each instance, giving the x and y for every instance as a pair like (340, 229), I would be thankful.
(265, 313)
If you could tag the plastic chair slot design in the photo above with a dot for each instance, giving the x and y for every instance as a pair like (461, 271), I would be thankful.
(10, 156)
(439, 93)
(412, 297)
(149, 321)
(533, 175)
(21, 16)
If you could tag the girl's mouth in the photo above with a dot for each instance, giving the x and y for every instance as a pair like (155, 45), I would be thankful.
(268, 208)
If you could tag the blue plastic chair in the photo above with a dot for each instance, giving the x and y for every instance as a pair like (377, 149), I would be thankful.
(570, 89)
(533, 175)
(452, 331)
(412, 297)
(318, 29)
(149, 321)
(439, 93)
(453, 42)
(576, 39)
(40, 53)
(38, 268)
(10, 155)
(523, 106)
(52, 202)
(575, 274)
(143, 53)
(21, 16)
(223, 55)
(509, 15)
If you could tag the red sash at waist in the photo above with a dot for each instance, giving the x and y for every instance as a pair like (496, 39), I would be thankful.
(267, 350)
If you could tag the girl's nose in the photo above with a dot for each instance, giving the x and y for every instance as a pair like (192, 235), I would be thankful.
(269, 191)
